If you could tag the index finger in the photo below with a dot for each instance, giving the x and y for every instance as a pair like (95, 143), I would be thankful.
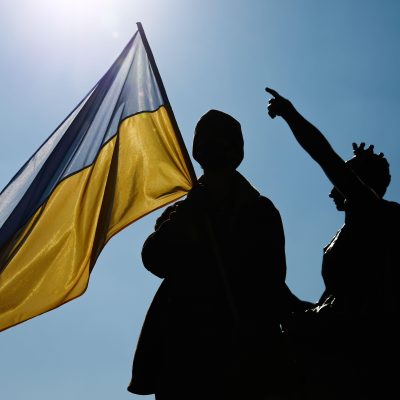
(273, 92)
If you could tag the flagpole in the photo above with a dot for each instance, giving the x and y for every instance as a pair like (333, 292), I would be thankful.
(167, 103)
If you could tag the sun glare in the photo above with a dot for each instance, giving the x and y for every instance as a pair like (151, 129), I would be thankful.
(69, 17)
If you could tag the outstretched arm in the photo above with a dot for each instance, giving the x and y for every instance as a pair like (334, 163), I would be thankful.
(317, 146)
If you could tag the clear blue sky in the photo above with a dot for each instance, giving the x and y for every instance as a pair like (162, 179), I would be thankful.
(338, 61)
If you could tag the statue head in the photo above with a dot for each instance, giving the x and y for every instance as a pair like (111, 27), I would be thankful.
(218, 141)
(371, 168)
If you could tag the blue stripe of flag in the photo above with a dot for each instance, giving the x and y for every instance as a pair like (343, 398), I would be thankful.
(76, 143)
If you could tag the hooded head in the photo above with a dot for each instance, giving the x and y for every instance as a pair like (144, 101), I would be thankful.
(218, 141)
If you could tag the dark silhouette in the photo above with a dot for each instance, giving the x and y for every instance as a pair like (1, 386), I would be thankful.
(213, 329)
(347, 342)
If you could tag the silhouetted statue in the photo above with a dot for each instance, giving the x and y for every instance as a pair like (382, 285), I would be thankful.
(348, 341)
(213, 328)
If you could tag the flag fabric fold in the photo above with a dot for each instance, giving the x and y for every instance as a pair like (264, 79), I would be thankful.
(115, 158)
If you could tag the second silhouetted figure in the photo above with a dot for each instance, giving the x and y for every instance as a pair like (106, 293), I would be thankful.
(349, 341)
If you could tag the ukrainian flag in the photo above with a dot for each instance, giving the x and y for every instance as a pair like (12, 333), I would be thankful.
(117, 157)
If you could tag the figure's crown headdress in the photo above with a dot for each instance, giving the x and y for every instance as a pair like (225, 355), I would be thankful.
(361, 151)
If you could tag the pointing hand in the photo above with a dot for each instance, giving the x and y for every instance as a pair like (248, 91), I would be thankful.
(278, 105)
